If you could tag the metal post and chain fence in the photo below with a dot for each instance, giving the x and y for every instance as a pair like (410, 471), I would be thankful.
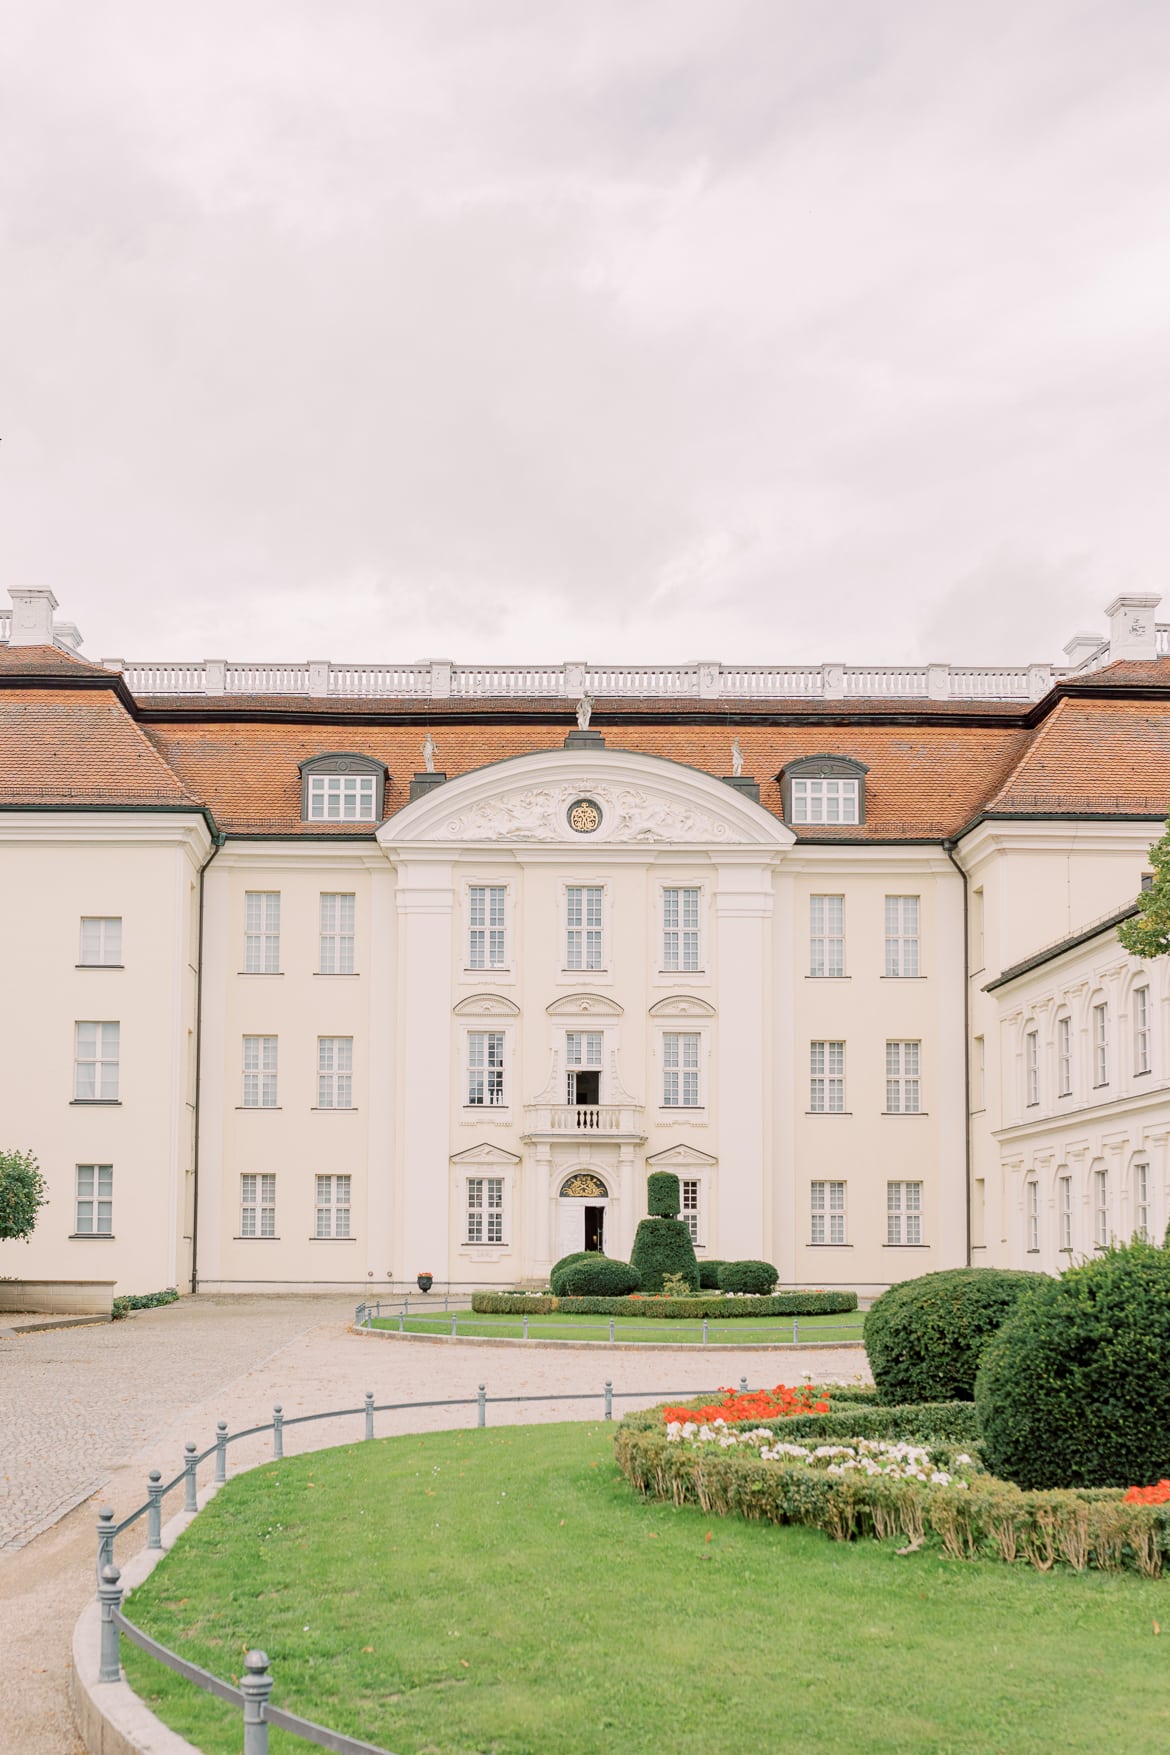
(370, 1312)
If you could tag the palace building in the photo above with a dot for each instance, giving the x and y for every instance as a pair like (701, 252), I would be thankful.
(325, 975)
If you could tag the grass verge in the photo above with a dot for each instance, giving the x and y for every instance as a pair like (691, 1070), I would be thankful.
(774, 1330)
(505, 1592)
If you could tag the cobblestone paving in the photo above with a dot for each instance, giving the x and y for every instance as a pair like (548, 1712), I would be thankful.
(84, 1413)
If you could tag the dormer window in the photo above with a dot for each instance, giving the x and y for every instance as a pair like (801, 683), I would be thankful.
(824, 789)
(342, 789)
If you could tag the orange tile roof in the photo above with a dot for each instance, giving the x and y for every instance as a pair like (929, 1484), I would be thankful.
(78, 747)
(1095, 757)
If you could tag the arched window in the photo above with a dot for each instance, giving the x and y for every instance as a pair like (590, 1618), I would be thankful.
(827, 790)
(342, 788)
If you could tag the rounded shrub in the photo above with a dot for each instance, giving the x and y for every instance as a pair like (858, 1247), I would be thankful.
(925, 1337)
(748, 1276)
(1074, 1390)
(598, 1276)
(558, 1269)
(709, 1275)
(663, 1199)
(661, 1247)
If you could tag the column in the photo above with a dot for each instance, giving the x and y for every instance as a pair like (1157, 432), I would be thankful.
(426, 900)
(743, 923)
(384, 1243)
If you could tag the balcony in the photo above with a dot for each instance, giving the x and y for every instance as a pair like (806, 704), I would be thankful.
(622, 1122)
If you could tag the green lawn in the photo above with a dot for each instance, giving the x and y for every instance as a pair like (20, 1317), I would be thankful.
(505, 1591)
(558, 1327)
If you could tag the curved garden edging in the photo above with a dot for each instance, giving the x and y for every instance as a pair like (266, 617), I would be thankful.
(389, 1334)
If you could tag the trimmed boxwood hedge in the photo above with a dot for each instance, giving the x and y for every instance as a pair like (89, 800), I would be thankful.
(758, 1277)
(555, 1280)
(663, 1195)
(598, 1276)
(661, 1247)
(709, 1275)
(780, 1304)
(1074, 1390)
(924, 1337)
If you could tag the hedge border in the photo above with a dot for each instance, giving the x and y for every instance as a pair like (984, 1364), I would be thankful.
(780, 1304)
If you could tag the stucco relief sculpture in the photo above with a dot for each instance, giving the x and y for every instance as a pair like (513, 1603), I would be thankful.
(539, 814)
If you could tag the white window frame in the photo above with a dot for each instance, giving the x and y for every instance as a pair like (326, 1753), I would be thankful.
(333, 1205)
(262, 932)
(578, 1058)
(338, 920)
(487, 926)
(827, 800)
(260, 1066)
(682, 914)
(484, 1210)
(96, 1060)
(1031, 1068)
(1141, 1200)
(691, 1205)
(1064, 1057)
(1100, 1045)
(1032, 1214)
(335, 1072)
(485, 1073)
(826, 937)
(827, 1214)
(1101, 1208)
(93, 1209)
(257, 1204)
(101, 942)
(585, 929)
(682, 1058)
(903, 1078)
(1141, 1029)
(1065, 1212)
(904, 1214)
(903, 940)
(826, 1088)
(341, 798)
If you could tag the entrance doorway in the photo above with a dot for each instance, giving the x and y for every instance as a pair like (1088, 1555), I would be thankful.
(581, 1212)
(595, 1229)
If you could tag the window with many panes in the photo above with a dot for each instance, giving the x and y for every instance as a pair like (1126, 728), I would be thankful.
(95, 1200)
(689, 1194)
(680, 930)
(1032, 1068)
(904, 1212)
(826, 1095)
(1141, 1029)
(1101, 1208)
(1063, 1057)
(259, 1072)
(485, 1068)
(485, 1209)
(1032, 1215)
(680, 1069)
(101, 941)
(583, 916)
(1141, 1201)
(826, 935)
(342, 798)
(1064, 1210)
(903, 1078)
(333, 1208)
(902, 935)
(335, 952)
(583, 1066)
(96, 1051)
(262, 932)
(824, 801)
(485, 947)
(1100, 1045)
(335, 1072)
(257, 1206)
(828, 1212)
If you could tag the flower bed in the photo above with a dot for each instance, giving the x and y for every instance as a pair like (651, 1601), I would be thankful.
(736, 1305)
(780, 1403)
(932, 1465)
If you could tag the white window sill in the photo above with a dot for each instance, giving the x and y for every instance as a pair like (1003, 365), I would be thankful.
(336, 974)
(325, 1240)
(98, 1102)
(904, 1246)
(259, 1108)
(832, 1114)
(902, 977)
(262, 974)
(333, 1109)
(906, 1114)
(828, 1246)
(99, 965)
(811, 977)
(256, 1239)
(91, 1237)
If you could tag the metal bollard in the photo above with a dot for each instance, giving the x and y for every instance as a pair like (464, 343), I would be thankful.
(255, 1686)
(743, 1386)
(278, 1431)
(402, 1322)
(154, 1510)
(110, 1598)
(454, 1320)
(526, 1325)
(369, 1413)
(481, 1411)
(611, 1328)
(221, 1452)
(406, 1304)
(796, 1328)
(704, 1331)
(190, 1500)
(608, 1399)
(446, 1306)
(105, 1554)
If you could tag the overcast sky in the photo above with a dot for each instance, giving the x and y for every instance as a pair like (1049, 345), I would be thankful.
(787, 329)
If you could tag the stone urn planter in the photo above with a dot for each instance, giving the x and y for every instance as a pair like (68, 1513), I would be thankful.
(425, 1282)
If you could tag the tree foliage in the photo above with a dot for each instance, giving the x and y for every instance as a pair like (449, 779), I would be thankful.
(22, 1194)
(1147, 933)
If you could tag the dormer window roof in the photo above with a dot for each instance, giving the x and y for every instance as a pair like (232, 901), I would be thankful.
(342, 788)
(828, 790)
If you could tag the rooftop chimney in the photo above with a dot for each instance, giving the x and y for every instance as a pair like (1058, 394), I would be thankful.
(32, 615)
(1082, 646)
(1132, 633)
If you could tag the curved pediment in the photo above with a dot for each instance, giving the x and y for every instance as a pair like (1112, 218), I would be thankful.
(487, 1005)
(586, 800)
(585, 1005)
(682, 1005)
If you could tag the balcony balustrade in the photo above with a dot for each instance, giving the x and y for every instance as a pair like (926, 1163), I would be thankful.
(595, 1121)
